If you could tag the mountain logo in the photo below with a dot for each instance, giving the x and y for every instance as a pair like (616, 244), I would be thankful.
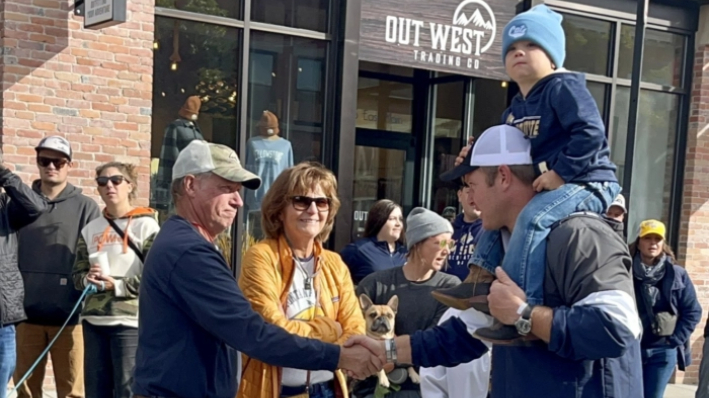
(476, 14)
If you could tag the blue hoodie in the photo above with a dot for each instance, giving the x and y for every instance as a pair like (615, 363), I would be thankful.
(368, 255)
(561, 118)
(466, 237)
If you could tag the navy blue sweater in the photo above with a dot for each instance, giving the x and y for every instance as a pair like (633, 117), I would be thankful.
(193, 319)
(466, 237)
(561, 118)
(368, 255)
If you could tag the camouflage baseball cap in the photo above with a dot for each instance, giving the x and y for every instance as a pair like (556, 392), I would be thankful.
(201, 157)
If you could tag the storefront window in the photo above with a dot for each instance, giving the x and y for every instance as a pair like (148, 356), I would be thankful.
(448, 138)
(662, 57)
(654, 155)
(598, 91)
(391, 100)
(301, 14)
(285, 106)
(588, 44)
(221, 8)
(490, 101)
(195, 75)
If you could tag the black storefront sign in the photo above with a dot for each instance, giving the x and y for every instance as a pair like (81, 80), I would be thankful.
(455, 36)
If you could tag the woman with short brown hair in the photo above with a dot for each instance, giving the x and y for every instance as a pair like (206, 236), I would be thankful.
(293, 282)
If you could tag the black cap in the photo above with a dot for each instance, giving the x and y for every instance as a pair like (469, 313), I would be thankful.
(461, 170)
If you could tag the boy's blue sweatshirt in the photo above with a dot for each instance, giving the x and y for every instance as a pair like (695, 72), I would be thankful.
(561, 118)
(466, 237)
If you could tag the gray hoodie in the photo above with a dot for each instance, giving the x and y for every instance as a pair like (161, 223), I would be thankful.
(46, 256)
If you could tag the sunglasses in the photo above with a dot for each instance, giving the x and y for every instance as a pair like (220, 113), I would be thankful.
(447, 243)
(58, 163)
(115, 180)
(302, 203)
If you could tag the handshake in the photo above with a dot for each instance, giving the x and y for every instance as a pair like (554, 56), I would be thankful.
(362, 356)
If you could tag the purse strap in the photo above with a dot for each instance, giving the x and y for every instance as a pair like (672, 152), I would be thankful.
(122, 234)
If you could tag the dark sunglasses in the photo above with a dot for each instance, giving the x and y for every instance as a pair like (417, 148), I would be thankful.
(302, 203)
(115, 180)
(58, 163)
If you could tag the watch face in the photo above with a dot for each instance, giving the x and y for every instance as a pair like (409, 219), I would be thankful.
(524, 326)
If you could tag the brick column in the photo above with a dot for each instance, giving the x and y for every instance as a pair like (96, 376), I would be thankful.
(694, 239)
(93, 87)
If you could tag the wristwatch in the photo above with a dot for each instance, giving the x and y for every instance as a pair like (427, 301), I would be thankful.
(390, 347)
(524, 323)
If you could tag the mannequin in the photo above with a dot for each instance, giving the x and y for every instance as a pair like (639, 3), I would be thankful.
(267, 155)
(178, 135)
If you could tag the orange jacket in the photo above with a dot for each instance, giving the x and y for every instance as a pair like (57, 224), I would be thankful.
(266, 275)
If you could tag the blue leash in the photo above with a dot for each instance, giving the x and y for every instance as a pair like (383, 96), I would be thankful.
(90, 289)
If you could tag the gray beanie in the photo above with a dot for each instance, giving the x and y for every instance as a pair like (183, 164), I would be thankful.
(422, 224)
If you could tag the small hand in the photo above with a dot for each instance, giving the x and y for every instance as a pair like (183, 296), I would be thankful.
(95, 271)
(109, 282)
(505, 298)
(548, 181)
(464, 151)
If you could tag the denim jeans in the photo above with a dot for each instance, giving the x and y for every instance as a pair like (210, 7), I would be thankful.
(109, 359)
(658, 365)
(525, 258)
(8, 356)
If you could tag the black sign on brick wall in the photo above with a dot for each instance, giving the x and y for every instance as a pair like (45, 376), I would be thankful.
(455, 36)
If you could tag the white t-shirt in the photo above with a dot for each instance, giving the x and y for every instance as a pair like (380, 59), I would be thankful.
(301, 305)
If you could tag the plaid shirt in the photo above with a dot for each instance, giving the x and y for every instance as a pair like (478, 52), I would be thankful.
(177, 136)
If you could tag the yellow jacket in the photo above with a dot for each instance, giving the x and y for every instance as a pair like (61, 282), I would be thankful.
(266, 274)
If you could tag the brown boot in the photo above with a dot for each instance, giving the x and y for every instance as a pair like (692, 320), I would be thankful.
(472, 293)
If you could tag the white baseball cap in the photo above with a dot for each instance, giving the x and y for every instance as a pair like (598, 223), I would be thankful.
(619, 202)
(201, 157)
(496, 146)
(55, 143)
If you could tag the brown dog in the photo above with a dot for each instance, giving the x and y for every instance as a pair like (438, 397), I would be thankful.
(380, 326)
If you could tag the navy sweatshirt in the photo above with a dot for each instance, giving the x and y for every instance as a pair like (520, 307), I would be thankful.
(594, 349)
(466, 237)
(368, 255)
(193, 319)
(561, 118)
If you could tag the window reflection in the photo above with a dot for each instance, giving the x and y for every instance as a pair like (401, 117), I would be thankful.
(301, 14)
(285, 106)
(662, 57)
(221, 8)
(448, 138)
(654, 154)
(588, 44)
(194, 95)
(384, 105)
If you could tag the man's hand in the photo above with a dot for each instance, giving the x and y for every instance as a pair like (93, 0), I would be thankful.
(505, 298)
(548, 181)
(464, 151)
(362, 357)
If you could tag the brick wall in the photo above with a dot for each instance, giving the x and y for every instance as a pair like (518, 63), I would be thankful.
(93, 87)
(694, 234)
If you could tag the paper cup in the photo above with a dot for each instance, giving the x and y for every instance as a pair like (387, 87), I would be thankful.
(101, 258)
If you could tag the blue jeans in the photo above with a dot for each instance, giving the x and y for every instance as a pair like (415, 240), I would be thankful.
(525, 258)
(658, 365)
(8, 356)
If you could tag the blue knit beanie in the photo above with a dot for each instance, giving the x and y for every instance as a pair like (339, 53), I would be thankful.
(541, 26)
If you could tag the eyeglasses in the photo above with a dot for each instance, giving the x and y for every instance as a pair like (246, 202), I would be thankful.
(115, 180)
(447, 244)
(58, 163)
(302, 203)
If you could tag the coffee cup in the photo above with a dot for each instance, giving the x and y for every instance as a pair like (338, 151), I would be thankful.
(101, 258)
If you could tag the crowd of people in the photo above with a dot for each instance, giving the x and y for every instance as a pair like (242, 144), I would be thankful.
(530, 291)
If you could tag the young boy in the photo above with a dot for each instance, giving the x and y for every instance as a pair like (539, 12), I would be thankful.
(570, 153)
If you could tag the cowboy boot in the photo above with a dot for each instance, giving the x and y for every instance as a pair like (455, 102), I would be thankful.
(472, 293)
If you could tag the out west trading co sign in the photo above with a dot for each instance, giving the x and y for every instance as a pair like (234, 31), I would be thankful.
(461, 37)
(104, 13)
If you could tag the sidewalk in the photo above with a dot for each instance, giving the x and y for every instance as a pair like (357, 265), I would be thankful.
(680, 391)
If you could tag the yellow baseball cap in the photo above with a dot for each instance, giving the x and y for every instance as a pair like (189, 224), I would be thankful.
(649, 227)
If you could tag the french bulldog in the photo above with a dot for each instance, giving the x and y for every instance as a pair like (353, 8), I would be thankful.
(380, 321)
